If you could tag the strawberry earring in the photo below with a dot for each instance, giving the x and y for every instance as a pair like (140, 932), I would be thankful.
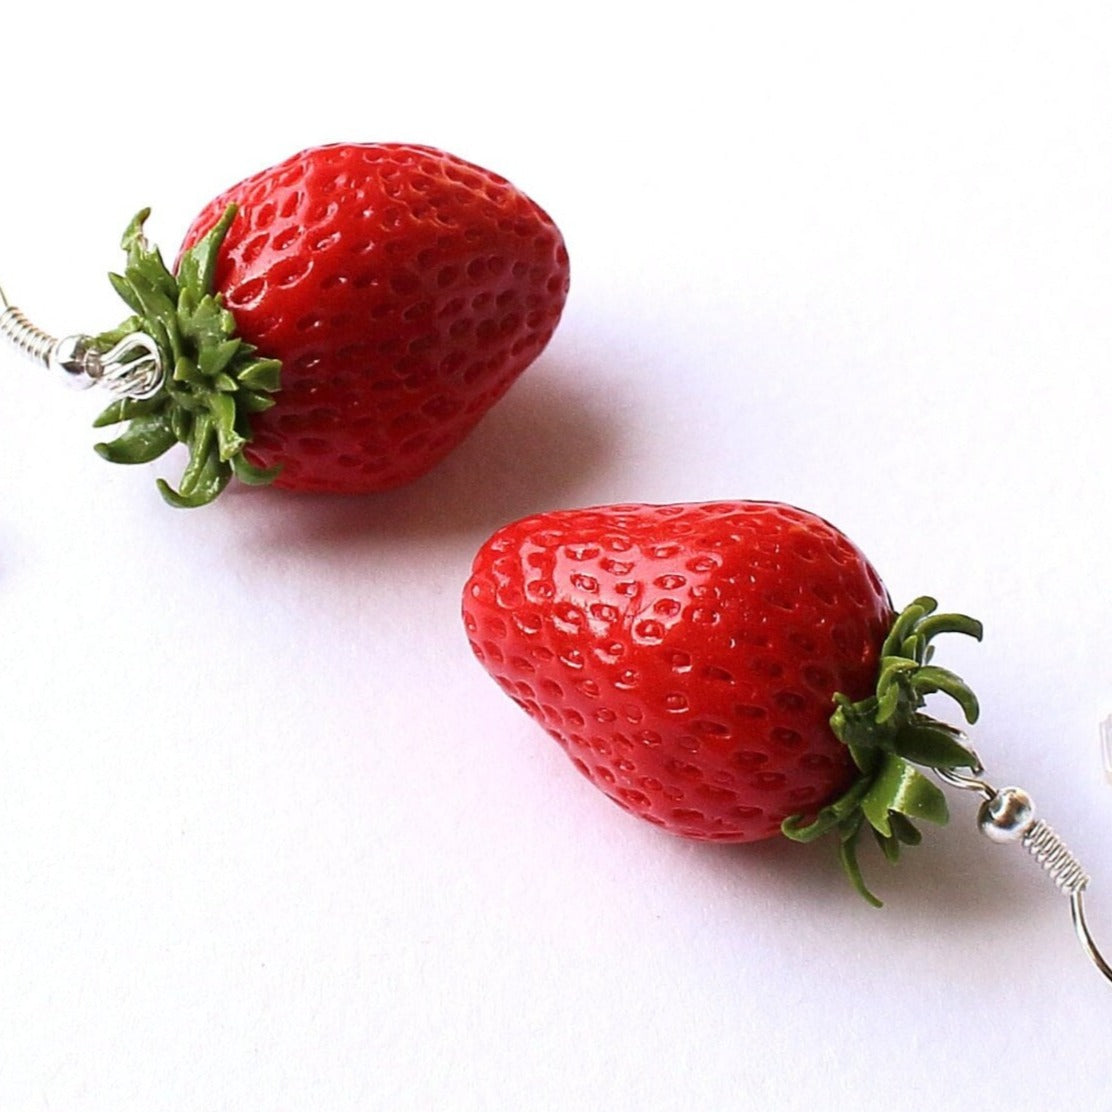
(734, 671)
(338, 322)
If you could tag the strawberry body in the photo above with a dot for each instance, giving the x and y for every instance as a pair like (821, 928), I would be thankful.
(401, 288)
(686, 657)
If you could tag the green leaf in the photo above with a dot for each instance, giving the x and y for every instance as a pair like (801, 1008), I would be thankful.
(126, 409)
(198, 264)
(826, 820)
(905, 621)
(133, 237)
(847, 851)
(185, 370)
(890, 847)
(867, 759)
(248, 473)
(146, 439)
(207, 325)
(931, 678)
(224, 416)
(152, 283)
(888, 703)
(181, 421)
(831, 816)
(901, 787)
(855, 723)
(896, 665)
(216, 357)
(204, 491)
(206, 475)
(262, 374)
(904, 829)
(878, 800)
(202, 451)
(951, 623)
(797, 830)
(124, 288)
(250, 402)
(934, 745)
(923, 799)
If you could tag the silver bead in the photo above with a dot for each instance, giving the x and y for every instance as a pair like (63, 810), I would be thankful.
(1007, 816)
(70, 357)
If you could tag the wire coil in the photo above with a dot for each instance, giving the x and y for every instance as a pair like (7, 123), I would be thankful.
(27, 337)
(1054, 856)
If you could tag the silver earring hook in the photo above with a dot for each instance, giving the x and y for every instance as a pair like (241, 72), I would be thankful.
(132, 368)
(1008, 815)
(1077, 910)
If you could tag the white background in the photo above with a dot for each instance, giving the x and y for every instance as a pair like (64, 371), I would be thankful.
(270, 839)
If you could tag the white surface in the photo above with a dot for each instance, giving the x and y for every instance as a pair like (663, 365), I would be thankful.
(269, 838)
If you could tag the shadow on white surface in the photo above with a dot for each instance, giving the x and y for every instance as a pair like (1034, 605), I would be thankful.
(951, 880)
(543, 443)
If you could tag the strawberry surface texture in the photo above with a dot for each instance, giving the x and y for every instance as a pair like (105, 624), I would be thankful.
(403, 290)
(686, 657)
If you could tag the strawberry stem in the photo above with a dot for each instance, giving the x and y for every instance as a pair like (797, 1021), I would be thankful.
(888, 736)
(217, 379)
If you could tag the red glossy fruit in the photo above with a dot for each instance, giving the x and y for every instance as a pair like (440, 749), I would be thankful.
(402, 290)
(689, 659)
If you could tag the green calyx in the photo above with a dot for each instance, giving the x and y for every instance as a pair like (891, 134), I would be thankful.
(888, 736)
(214, 380)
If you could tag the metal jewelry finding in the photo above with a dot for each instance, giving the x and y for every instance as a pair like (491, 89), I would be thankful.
(132, 368)
(1008, 815)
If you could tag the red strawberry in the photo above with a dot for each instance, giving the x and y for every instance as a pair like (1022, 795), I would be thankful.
(377, 299)
(727, 671)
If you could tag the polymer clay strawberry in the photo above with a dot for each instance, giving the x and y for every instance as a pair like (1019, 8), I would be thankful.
(727, 671)
(338, 322)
